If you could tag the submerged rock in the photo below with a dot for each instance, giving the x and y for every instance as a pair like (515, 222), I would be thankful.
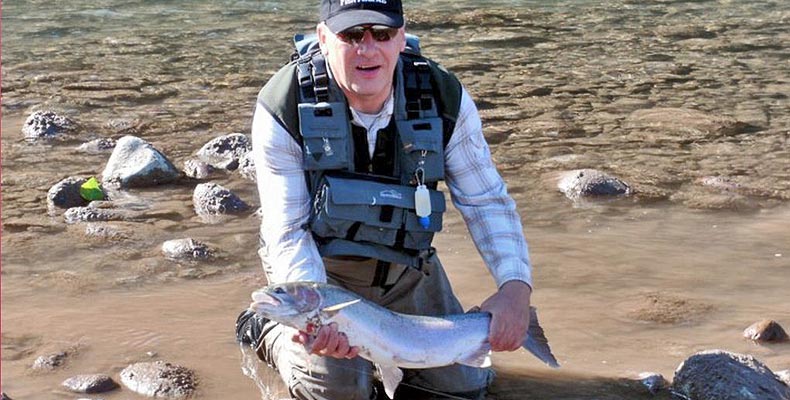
(721, 375)
(784, 376)
(136, 163)
(213, 199)
(97, 383)
(159, 379)
(49, 362)
(47, 124)
(186, 249)
(766, 331)
(590, 182)
(224, 152)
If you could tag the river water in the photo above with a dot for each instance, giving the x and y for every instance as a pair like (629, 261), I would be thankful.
(665, 94)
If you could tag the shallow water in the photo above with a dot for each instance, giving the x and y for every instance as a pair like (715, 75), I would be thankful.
(622, 287)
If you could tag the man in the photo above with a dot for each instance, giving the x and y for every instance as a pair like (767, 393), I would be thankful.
(349, 143)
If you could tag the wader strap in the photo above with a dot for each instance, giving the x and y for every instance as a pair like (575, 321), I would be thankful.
(313, 79)
(418, 90)
(382, 272)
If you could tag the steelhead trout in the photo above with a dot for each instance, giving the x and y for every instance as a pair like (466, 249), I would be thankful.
(388, 339)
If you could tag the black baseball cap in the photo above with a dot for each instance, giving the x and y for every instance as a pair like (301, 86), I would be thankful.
(340, 15)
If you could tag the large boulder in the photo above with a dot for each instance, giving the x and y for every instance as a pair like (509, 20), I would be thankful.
(224, 152)
(159, 379)
(47, 124)
(721, 375)
(136, 163)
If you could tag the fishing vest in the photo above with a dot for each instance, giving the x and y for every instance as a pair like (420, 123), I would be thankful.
(365, 206)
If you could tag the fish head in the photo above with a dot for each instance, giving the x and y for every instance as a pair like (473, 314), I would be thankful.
(294, 304)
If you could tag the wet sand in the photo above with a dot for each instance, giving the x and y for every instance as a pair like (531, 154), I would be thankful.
(662, 94)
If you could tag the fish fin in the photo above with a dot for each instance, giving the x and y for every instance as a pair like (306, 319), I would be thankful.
(391, 377)
(334, 309)
(480, 358)
(536, 342)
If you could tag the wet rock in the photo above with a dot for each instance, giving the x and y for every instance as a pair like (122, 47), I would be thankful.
(92, 214)
(136, 163)
(721, 375)
(125, 126)
(97, 383)
(97, 145)
(197, 169)
(766, 331)
(159, 379)
(653, 381)
(589, 182)
(247, 166)
(66, 193)
(213, 199)
(47, 125)
(49, 362)
(188, 248)
(224, 152)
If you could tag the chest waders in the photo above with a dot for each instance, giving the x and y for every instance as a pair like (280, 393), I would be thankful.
(384, 207)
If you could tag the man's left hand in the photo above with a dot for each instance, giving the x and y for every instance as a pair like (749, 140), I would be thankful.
(509, 308)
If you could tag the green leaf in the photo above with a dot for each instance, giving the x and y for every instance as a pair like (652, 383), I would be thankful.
(91, 190)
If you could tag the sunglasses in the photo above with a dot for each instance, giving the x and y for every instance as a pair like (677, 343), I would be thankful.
(380, 33)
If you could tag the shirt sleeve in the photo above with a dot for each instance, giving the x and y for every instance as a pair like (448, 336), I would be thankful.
(288, 250)
(479, 193)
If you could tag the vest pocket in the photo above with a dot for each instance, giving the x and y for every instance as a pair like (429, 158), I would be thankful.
(421, 147)
(325, 133)
(373, 212)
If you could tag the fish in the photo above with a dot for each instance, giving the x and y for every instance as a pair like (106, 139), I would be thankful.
(388, 339)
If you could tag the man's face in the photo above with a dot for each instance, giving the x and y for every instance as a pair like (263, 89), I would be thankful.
(362, 69)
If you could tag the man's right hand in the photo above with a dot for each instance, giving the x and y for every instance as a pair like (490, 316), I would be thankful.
(327, 342)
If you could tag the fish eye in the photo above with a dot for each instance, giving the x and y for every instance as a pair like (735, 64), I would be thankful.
(279, 290)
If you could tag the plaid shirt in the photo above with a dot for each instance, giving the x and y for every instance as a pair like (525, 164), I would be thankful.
(476, 189)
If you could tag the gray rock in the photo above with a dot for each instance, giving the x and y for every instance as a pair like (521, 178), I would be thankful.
(721, 375)
(224, 152)
(47, 124)
(136, 163)
(97, 383)
(247, 166)
(766, 331)
(49, 362)
(653, 381)
(159, 379)
(66, 193)
(213, 199)
(92, 214)
(589, 182)
(197, 169)
(188, 248)
(97, 145)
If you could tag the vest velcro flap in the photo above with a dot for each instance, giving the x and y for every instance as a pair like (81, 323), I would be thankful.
(375, 212)
(422, 148)
(325, 136)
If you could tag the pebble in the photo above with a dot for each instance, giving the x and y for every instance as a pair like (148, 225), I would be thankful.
(159, 379)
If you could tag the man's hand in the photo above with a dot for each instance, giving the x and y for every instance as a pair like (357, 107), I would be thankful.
(509, 308)
(328, 342)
